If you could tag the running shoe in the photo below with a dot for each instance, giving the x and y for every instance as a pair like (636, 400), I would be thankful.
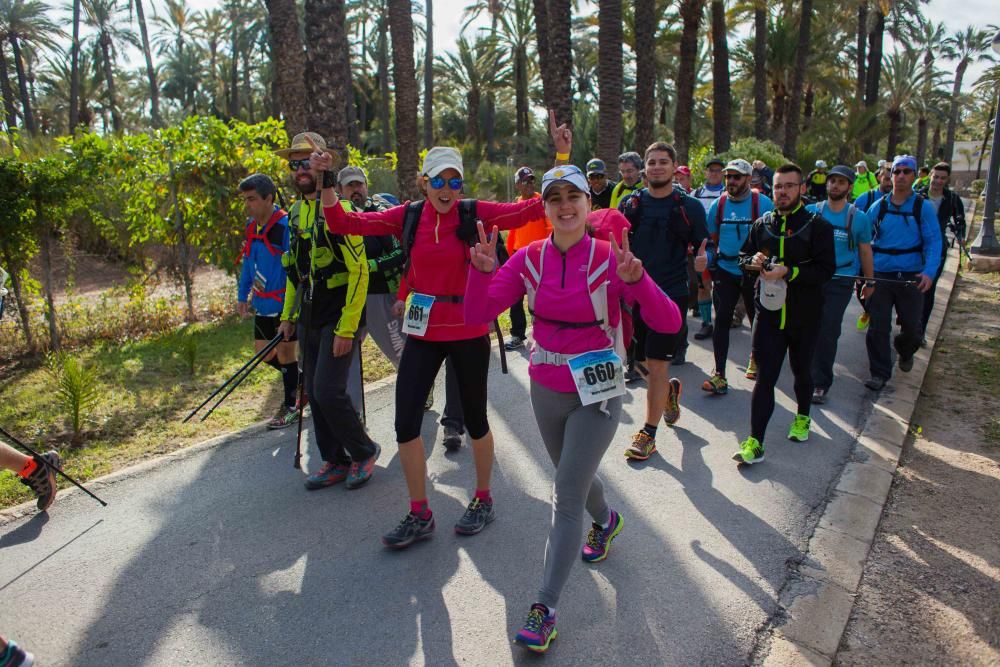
(514, 343)
(819, 396)
(875, 383)
(411, 529)
(799, 430)
(751, 451)
(751, 373)
(680, 358)
(361, 471)
(863, 320)
(286, 417)
(906, 363)
(328, 475)
(452, 439)
(476, 516)
(705, 332)
(599, 539)
(643, 446)
(539, 630)
(632, 375)
(15, 656)
(43, 479)
(716, 385)
(672, 412)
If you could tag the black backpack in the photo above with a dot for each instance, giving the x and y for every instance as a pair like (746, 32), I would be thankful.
(883, 210)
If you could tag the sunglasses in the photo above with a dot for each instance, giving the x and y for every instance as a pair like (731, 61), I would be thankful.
(735, 177)
(902, 171)
(294, 165)
(437, 183)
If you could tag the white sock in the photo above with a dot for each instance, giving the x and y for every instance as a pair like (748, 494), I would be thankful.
(552, 612)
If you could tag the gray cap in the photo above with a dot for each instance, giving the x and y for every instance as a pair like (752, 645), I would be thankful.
(740, 166)
(842, 170)
(351, 175)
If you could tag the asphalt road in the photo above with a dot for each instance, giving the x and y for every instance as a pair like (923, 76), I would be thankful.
(222, 558)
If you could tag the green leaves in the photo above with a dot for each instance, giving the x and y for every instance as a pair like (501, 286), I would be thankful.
(75, 387)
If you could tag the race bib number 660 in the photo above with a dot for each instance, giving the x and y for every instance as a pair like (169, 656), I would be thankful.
(597, 375)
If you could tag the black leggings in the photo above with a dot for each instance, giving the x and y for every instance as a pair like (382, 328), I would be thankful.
(769, 347)
(419, 367)
(727, 291)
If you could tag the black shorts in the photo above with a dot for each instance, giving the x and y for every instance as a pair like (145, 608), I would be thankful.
(266, 327)
(659, 346)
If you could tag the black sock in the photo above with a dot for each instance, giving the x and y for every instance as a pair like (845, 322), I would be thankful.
(649, 430)
(273, 363)
(290, 377)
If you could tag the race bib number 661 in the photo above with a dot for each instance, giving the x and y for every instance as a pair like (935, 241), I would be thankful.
(597, 375)
(417, 314)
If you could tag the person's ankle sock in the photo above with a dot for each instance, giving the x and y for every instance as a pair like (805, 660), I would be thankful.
(420, 509)
(705, 309)
(28, 468)
(650, 430)
(483, 495)
(290, 378)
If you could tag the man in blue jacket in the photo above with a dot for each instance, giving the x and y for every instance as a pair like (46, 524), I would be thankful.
(906, 242)
(262, 284)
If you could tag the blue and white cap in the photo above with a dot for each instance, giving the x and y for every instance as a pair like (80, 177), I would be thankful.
(905, 161)
(568, 173)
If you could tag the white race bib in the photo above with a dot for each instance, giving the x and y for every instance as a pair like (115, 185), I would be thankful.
(417, 314)
(598, 376)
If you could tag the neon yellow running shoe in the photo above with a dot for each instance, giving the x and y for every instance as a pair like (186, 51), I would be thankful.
(863, 320)
(751, 451)
(799, 430)
(751, 373)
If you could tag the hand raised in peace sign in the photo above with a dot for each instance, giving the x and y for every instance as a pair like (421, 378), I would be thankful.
(484, 253)
(629, 266)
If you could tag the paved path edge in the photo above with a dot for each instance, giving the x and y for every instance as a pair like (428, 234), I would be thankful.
(816, 601)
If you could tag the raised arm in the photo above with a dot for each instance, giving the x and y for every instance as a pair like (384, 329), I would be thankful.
(511, 215)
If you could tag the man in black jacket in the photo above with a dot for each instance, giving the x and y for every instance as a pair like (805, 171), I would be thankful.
(951, 215)
(793, 252)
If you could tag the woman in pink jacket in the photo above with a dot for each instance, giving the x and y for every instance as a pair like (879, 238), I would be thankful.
(574, 284)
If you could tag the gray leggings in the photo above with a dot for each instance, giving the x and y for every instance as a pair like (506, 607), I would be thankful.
(576, 438)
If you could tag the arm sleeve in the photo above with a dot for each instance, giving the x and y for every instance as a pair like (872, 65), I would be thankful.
(353, 249)
(824, 259)
(659, 313)
(510, 215)
(501, 288)
(246, 280)
(289, 305)
(391, 259)
(861, 228)
(372, 223)
(931, 231)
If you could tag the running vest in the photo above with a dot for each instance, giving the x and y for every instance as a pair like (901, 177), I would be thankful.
(883, 210)
(633, 212)
(851, 209)
(597, 285)
(313, 255)
(719, 222)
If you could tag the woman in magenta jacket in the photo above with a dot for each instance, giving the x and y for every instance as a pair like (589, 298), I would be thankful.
(575, 285)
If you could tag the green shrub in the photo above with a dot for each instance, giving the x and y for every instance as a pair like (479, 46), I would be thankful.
(76, 389)
(977, 186)
(748, 148)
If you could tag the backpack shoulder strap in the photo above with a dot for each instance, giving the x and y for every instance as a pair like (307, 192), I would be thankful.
(467, 219)
(720, 205)
(410, 221)
(679, 200)
(755, 204)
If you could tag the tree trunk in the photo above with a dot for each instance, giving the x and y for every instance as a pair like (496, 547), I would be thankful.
(609, 78)
(289, 63)
(154, 90)
(234, 66)
(935, 142)
(429, 75)
(22, 305)
(895, 130)
(760, 71)
(798, 80)
(956, 92)
(986, 137)
(721, 95)
(183, 249)
(691, 12)
(404, 76)
(807, 107)
(74, 71)
(383, 84)
(645, 70)
(246, 88)
(873, 75)
(541, 11)
(489, 126)
(327, 83)
(561, 60)
(521, 93)
(353, 133)
(22, 85)
(8, 95)
(109, 81)
(50, 304)
(862, 41)
(472, 116)
(922, 125)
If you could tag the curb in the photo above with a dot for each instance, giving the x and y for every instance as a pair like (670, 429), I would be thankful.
(814, 605)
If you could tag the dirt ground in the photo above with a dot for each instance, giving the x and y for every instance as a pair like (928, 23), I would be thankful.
(930, 594)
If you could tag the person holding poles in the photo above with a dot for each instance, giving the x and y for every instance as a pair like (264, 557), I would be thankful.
(951, 215)
(330, 271)
(852, 241)
(262, 277)
(575, 366)
(437, 234)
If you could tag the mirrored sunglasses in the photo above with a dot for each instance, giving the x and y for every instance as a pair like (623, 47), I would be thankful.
(454, 183)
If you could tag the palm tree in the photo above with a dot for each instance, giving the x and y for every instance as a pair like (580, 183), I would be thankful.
(429, 73)
(25, 23)
(560, 55)
(968, 46)
(327, 84)
(74, 87)
(10, 112)
(721, 95)
(932, 45)
(289, 58)
(56, 82)
(988, 85)
(645, 72)
(540, 10)
(798, 80)
(103, 16)
(609, 77)
(904, 81)
(403, 75)
(212, 29)
(463, 70)
(154, 93)
(691, 12)
(760, 16)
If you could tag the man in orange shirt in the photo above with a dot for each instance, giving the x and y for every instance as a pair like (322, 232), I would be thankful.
(524, 181)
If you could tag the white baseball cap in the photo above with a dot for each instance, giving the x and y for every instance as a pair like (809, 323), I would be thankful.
(439, 159)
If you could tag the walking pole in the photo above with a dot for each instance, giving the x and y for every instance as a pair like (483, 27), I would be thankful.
(503, 350)
(361, 371)
(39, 457)
(297, 464)
(270, 346)
(878, 280)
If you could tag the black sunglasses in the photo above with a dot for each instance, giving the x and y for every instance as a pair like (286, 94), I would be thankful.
(902, 171)
(295, 164)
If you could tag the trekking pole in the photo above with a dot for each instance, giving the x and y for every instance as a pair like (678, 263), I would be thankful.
(297, 464)
(267, 349)
(361, 371)
(503, 350)
(270, 346)
(39, 457)
(878, 280)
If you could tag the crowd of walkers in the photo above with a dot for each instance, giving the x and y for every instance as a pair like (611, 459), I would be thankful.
(610, 273)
